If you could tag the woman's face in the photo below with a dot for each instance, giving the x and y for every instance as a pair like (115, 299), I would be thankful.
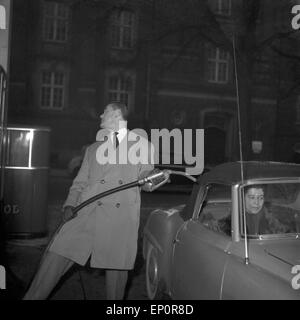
(254, 200)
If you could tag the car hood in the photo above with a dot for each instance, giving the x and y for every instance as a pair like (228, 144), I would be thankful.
(287, 251)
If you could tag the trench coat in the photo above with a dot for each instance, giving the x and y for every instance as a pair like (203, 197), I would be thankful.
(105, 230)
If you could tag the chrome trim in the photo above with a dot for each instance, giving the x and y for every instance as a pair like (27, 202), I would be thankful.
(29, 129)
(30, 148)
(27, 168)
(269, 181)
(199, 201)
(279, 258)
(235, 213)
(274, 236)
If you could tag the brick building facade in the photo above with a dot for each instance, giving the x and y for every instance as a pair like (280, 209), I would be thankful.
(71, 57)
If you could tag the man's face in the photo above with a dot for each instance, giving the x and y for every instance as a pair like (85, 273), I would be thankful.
(254, 200)
(110, 118)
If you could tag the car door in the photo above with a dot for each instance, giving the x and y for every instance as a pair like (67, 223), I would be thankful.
(200, 248)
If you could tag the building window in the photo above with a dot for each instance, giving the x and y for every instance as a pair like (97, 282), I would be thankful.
(56, 21)
(218, 65)
(122, 29)
(52, 90)
(222, 7)
(121, 88)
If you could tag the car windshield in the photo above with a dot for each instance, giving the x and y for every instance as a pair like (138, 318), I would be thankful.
(272, 208)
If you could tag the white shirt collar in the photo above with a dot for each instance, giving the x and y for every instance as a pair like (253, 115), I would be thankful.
(121, 134)
(105, 132)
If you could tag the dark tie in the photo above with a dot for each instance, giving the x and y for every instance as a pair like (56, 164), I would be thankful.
(117, 140)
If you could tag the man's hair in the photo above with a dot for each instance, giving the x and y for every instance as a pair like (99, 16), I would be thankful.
(117, 105)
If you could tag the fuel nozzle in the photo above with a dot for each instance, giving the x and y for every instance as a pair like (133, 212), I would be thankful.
(155, 179)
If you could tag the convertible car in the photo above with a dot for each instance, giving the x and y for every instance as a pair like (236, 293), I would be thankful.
(204, 249)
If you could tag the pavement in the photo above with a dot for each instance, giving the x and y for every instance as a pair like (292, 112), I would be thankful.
(80, 283)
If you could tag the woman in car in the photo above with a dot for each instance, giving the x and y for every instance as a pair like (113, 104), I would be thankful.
(258, 218)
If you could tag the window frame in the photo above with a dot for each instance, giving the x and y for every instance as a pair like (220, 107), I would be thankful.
(52, 86)
(119, 91)
(217, 61)
(118, 26)
(53, 21)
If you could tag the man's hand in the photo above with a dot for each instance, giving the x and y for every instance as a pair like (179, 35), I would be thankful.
(167, 175)
(68, 214)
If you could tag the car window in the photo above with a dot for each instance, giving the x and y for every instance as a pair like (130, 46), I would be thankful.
(215, 212)
(277, 213)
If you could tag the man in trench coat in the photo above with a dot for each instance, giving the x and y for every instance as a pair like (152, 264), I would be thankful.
(105, 230)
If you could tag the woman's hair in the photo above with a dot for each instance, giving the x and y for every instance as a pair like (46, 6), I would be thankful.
(254, 186)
